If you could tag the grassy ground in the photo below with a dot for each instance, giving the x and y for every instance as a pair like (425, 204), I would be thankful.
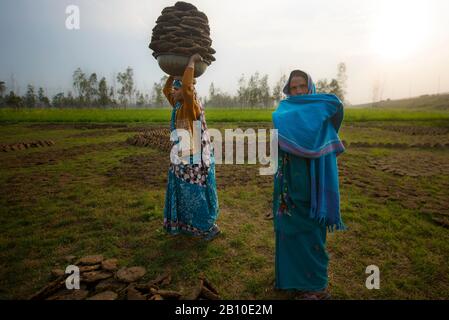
(213, 115)
(93, 193)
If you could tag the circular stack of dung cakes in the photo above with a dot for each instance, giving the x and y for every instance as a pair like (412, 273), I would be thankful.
(184, 31)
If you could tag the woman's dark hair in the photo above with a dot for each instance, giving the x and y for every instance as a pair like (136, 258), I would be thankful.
(298, 73)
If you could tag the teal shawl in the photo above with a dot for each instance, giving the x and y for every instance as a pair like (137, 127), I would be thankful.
(308, 127)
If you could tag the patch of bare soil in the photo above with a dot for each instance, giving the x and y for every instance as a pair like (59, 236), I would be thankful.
(413, 166)
(61, 126)
(227, 174)
(425, 145)
(412, 130)
(418, 131)
(141, 170)
(231, 175)
(92, 134)
(57, 155)
(143, 128)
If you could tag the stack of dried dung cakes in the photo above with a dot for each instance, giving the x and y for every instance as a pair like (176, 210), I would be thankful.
(182, 30)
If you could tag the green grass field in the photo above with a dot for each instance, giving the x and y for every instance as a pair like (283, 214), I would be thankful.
(213, 115)
(93, 193)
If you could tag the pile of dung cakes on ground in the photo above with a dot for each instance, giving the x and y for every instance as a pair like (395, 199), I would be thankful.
(25, 145)
(102, 279)
(182, 30)
(158, 138)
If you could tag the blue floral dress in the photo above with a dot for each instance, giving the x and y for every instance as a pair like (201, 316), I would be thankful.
(191, 201)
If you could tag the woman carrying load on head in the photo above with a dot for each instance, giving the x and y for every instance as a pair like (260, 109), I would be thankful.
(191, 202)
(306, 199)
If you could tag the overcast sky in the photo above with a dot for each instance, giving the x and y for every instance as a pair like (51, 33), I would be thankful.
(400, 46)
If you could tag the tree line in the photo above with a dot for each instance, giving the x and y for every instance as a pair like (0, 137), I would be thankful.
(254, 91)
(89, 90)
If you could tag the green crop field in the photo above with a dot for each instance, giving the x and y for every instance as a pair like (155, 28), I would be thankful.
(213, 115)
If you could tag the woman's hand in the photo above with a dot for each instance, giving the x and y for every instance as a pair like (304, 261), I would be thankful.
(196, 57)
(193, 59)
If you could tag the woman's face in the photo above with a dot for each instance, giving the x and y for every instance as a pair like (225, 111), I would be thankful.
(177, 94)
(298, 86)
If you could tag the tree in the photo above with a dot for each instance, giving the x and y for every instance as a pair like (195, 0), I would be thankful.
(2, 88)
(91, 89)
(58, 100)
(103, 95)
(157, 96)
(127, 85)
(211, 90)
(79, 83)
(220, 99)
(42, 98)
(243, 92)
(70, 101)
(278, 93)
(30, 97)
(147, 99)
(322, 86)
(334, 86)
(14, 101)
(264, 90)
(253, 90)
(140, 100)
(2, 91)
(112, 95)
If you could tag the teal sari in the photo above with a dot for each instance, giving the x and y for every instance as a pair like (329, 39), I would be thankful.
(306, 202)
(301, 260)
(191, 201)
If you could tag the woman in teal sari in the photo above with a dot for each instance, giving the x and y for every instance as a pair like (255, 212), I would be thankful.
(306, 195)
(191, 202)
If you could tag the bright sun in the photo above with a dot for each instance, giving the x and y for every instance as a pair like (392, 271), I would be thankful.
(400, 29)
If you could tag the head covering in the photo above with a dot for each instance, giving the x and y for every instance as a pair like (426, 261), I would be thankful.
(177, 83)
(303, 74)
